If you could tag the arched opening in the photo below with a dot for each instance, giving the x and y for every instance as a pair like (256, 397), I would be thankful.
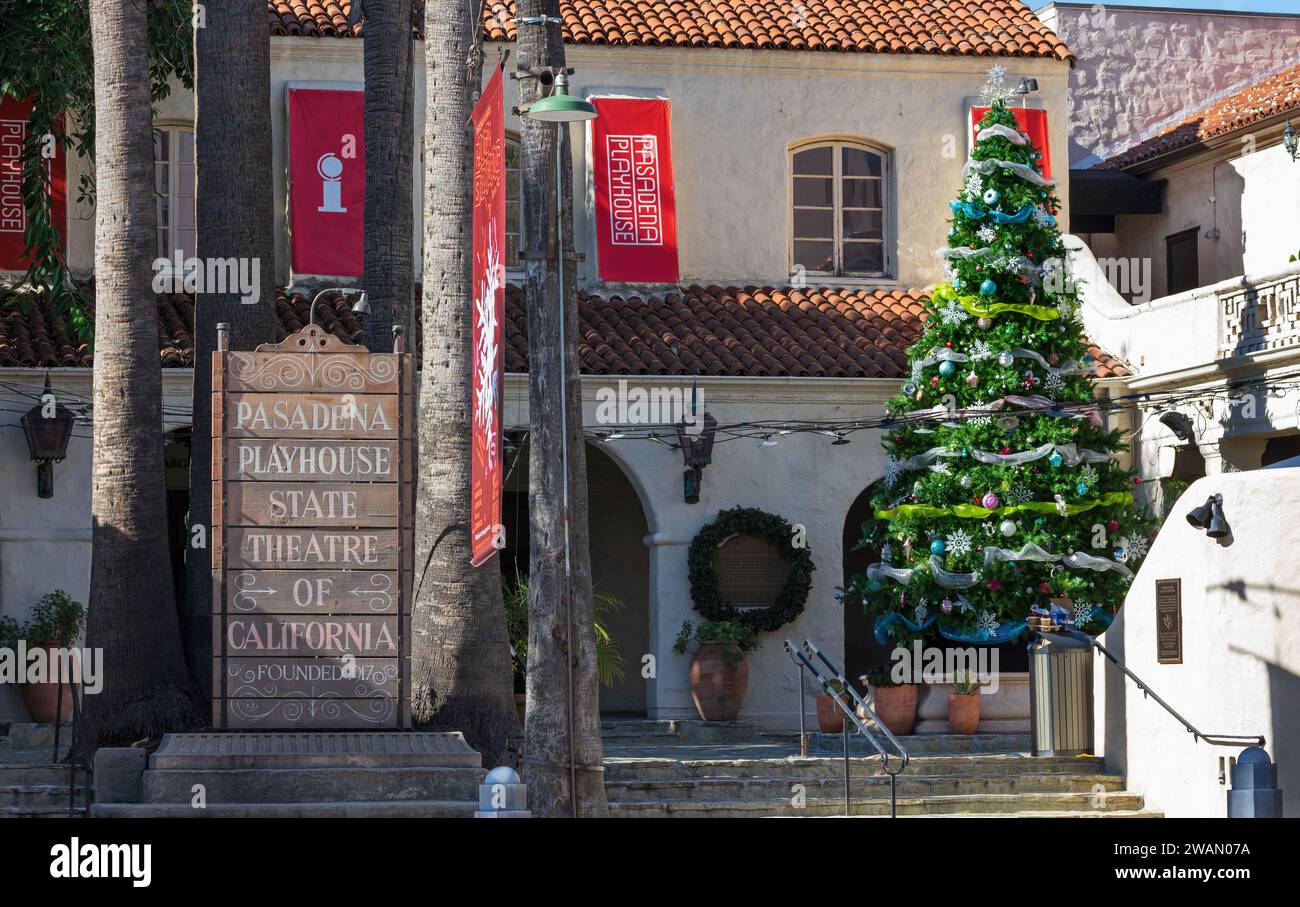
(620, 562)
(861, 651)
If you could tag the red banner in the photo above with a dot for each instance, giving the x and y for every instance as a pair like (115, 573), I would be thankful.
(636, 214)
(327, 181)
(488, 279)
(14, 115)
(1032, 122)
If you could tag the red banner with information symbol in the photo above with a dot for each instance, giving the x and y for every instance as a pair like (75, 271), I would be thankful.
(636, 212)
(488, 291)
(327, 181)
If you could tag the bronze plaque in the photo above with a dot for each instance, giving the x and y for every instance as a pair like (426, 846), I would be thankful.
(1169, 621)
(751, 571)
(311, 535)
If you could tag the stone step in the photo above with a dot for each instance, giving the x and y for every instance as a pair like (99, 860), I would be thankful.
(634, 732)
(35, 796)
(37, 773)
(663, 769)
(1047, 814)
(26, 812)
(923, 744)
(311, 784)
(772, 789)
(361, 809)
(23, 734)
(973, 804)
(262, 750)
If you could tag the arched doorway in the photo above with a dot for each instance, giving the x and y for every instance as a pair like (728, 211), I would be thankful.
(861, 651)
(620, 562)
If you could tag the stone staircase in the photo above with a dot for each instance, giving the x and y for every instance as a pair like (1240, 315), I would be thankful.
(32, 785)
(307, 775)
(684, 769)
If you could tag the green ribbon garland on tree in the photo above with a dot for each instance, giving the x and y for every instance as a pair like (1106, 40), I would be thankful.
(976, 512)
(945, 293)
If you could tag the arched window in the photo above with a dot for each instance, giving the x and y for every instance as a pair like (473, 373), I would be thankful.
(839, 194)
(173, 176)
(514, 219)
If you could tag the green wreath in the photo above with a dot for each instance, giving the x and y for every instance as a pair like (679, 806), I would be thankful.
(789, 603)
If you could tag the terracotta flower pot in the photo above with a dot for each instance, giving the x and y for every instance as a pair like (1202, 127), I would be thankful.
(963, 713)
(718, 691)
(896, 707)
(829, 718)
(42, 699)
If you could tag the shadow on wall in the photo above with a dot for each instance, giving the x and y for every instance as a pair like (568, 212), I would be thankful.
(1284, 690)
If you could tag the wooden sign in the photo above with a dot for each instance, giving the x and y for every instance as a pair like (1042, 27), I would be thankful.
(1169, 621)
(312, 542)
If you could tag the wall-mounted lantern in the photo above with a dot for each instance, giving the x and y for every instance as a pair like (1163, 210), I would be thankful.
(1290, 142)
(48, 427)
(696, 441)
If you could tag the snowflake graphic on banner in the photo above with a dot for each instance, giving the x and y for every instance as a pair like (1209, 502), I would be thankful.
(485, 359)
(988, 623)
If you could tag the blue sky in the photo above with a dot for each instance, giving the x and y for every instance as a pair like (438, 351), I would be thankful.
(1251, 6)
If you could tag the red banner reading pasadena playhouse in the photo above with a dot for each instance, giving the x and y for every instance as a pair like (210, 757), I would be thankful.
(1033, 123)
(636, 214)
(488, 290)
(13, 215)
(327, 181)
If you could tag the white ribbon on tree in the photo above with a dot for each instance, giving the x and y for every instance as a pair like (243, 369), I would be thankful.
(898, 574)
(985, 167)
(964, 252)
(1028, 552)
(997, 130)
(1070, 368)
(1081, 561)
(1072, 453)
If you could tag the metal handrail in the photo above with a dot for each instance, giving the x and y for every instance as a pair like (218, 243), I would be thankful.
(75, 755)
(1212, 739)
(803, 659)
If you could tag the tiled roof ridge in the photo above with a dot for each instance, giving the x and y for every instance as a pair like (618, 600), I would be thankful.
(968, 28)
(691, 330)
(1218, 115)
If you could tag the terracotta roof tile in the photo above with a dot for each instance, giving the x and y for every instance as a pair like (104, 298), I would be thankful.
(1263, 100)
(710, 331)
(969, 27)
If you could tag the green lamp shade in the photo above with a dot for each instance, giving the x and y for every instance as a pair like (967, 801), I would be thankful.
(560, 108)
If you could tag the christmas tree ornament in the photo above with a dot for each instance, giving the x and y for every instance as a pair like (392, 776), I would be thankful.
(992, 197)
(972, 380)
(1006, 359)
(1081, 488)
(947, 369)
(994, 584)
(937, 546)
(964, 481)
(984, 323)
(1112, 525)
(990, 501)
(1008, 528)
(1055, 460)
(988, 287)
(946, 606)
(909, 388)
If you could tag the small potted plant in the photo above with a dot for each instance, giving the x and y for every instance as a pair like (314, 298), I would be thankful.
(719, 674)
(964, 704)
(893, 701)
(829, 717)
(56, 620)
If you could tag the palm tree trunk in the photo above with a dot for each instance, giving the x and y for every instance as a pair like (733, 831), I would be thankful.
(233, 214)
(460, 658)
(132, 615)
(389, 142)
(562, 743)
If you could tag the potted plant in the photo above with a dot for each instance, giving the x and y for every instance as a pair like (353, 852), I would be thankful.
(829, 717)
(719, 674)
(964, 704)
(894, 702)
(57, 619)
(609, 660)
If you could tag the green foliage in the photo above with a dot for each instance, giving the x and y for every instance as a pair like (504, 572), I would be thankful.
(882, 676)
(610, 663)
(941, 499)
(45, 55)
(737, 639)
(964, 684)
(705, 595)
(57, 618)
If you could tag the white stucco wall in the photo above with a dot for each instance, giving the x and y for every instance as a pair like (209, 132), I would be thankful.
(735, 114)
(1240, 672)
(1139, 68)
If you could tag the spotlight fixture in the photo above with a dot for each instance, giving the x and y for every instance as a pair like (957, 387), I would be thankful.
(1209, 516)
(1179, 424)
(1290, 142)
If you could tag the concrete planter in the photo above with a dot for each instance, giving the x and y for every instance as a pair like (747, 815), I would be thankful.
(1005, 711)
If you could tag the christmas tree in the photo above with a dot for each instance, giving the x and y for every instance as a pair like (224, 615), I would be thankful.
(1000, 493)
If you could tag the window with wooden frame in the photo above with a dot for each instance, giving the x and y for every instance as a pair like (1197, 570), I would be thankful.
(839, 219)
(514, 218)
(173, 176)
(1182, 268)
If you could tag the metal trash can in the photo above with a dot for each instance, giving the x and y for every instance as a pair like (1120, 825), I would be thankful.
(1060, 696)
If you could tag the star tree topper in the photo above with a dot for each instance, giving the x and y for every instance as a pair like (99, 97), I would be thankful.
(997, 91)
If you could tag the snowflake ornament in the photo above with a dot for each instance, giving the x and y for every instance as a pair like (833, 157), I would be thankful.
(953, 313)
(1088, 475)
(981, 350)
(959, 542)
(1082, 612)
(974, 186)
(988, 623)
(1053, 384)
(942, 468)
(887, 554)
(892, 471)
(1020, 494)
(987, 234)
(1137, 547)
(921, 611)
